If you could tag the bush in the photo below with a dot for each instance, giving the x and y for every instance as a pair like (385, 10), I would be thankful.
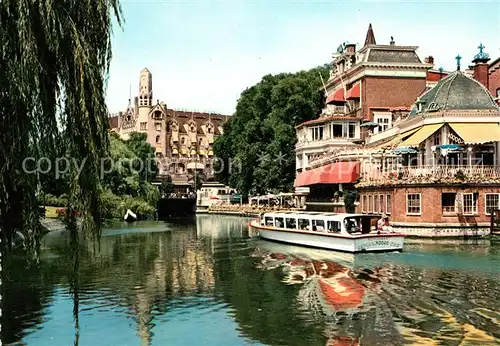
(111, 205)
(54, 201)
(115, 207)
(143, 209)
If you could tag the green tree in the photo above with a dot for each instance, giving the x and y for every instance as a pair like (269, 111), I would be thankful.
(350, 197)
(167, 186)
(54, 58)
(122, 177)
(258, 144)
(138, 143)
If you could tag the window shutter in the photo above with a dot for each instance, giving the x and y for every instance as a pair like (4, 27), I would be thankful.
(459, 203)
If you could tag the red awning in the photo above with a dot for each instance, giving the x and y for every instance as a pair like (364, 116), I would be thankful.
(354, 92)
(334, 173)
(336, 96)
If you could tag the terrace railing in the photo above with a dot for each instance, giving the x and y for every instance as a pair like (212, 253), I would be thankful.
(477, 173)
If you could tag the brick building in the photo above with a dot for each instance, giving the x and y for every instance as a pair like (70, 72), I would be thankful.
(437, 171)
(360, 79)
(183, 139)
(357, 95)
(494, 79)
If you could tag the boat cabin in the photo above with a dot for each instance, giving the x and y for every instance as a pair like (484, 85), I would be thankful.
(321, 222)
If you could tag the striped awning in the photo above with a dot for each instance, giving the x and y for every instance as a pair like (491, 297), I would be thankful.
(421, 135)
(397, 139)
(477, 133)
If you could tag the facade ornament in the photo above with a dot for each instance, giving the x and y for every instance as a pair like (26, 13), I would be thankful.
(481, 57)
(458, 58)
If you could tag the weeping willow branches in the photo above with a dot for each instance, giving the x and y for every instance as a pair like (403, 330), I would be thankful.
(54, 57)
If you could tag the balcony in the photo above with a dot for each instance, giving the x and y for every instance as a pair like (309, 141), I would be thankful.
(341, 154)
(473, 174)
(324, 143)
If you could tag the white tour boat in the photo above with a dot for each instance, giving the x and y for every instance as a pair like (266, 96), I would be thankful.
(341, 232)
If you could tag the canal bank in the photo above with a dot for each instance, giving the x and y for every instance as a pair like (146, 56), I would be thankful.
(412, 230)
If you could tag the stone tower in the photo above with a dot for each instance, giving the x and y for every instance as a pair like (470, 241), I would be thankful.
(145, 88)
(145, 100)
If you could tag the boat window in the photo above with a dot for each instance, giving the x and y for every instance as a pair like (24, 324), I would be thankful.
(318, 225)
(278, 222)
(351, 225)
(333, 226)
(291, 223)
(304, 224)
(269, 221)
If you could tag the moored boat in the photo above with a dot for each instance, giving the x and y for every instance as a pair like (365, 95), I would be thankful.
(352, 233)
(130, 216)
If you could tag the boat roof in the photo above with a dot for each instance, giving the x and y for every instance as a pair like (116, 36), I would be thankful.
(320, 214)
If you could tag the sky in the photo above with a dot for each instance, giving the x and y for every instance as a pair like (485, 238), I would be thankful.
(203, 54)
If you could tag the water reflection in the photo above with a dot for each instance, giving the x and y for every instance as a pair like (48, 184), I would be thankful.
(386, 303)
(202, 281)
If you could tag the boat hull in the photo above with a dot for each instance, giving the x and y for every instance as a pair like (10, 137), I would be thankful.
(358, 244)
(130, 218)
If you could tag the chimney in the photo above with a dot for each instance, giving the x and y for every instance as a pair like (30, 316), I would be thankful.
(429, 60)
(350, 48)
(480, 67)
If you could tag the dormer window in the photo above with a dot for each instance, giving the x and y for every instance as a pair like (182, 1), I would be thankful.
(193, 128)
(209, 130)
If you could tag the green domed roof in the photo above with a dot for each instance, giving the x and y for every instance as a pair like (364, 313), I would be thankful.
(455, 92)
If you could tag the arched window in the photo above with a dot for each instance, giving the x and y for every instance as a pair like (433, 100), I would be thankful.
(209, 130)
(182, 140)
(168, 127)
(157, 139)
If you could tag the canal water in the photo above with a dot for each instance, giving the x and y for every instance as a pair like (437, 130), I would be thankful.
(202, 281)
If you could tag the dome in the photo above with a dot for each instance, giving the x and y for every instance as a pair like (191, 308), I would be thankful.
(455, 92)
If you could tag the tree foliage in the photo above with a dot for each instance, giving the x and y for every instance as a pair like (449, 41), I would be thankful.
(258, 143)
(167, 186)
(54, 56)
(126, 184)
(350, 198)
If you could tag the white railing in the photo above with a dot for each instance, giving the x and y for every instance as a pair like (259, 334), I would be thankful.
(390, 132)
(342, 155)
(327, 141)
(474, 172)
